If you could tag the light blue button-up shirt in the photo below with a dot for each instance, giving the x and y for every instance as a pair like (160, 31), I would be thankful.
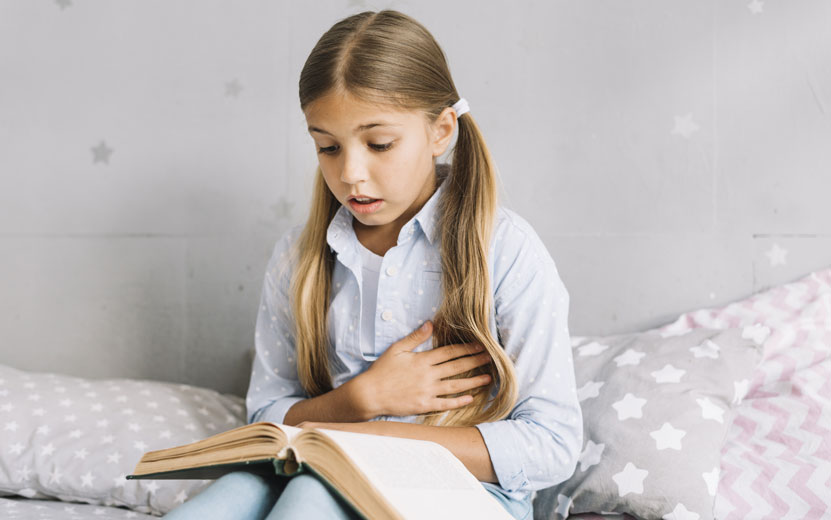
(537, 446)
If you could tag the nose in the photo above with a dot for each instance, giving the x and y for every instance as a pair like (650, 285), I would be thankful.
(354, 168)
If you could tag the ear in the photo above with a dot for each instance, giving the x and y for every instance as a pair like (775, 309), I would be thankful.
(442, 130)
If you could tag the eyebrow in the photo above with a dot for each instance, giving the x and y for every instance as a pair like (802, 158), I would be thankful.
(360, 128)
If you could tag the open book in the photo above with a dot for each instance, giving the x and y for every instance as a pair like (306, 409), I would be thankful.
(379, 476)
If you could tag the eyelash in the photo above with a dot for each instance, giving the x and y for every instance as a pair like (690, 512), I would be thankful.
(377, 147)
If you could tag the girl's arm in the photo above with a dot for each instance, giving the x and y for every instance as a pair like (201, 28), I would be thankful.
(466, 443)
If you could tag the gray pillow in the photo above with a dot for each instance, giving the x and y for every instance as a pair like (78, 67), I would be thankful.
(656, 411)
(76, 439)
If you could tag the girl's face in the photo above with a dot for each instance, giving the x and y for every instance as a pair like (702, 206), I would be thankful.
(380, 152)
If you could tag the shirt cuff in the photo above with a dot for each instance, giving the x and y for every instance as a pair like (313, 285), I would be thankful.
(276, 411)
(504, 453)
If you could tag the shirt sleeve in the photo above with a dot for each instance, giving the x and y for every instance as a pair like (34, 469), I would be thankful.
(274, 386)
(539, 443)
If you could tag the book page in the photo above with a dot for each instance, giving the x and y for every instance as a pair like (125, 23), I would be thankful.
(290, 431)
(420, 478)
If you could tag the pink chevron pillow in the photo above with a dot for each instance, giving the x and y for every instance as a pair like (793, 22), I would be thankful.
(776, 459)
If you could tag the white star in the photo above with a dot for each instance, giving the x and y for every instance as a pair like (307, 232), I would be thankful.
(758, 333)
(165, 434)
(668, 437)
(589, 390)
(114, 457)
(107, 439)
(684, 125)
(563, 505)
(630, 480)
(711, 479)
(97, 407)
(87, 479)
(777, 255)
(140, 445)
(629, 406)
(16, 448)
(7, 407)
(12, 426)
(120, 480)
(55, 476)
(668, 374)
(23, 474)
(755, 6)
(740, 389)
(706, 349)
(48, 449)
(591, 349)
(43, 429)
(630, 357)
(681, 513)
(75, 434)
(152, 487)
(81, 454)
(181, 497)
(710, 410)
(591, 455)
(38, 412)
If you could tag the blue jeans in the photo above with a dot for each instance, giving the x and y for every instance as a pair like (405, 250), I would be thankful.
(248, 496)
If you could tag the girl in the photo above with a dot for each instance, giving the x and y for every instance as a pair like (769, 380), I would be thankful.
(395, 242)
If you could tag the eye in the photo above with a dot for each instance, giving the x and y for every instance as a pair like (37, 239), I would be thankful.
(331, 150)
(381, 147)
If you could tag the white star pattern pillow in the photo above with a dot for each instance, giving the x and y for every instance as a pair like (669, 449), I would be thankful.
(76, 439)
(656, 411)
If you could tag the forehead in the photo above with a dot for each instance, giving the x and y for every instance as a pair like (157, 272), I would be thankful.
(343, 113)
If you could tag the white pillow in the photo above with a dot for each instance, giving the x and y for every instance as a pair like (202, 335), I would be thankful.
(76, 439)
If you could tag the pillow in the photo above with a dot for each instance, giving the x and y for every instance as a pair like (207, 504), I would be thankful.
(655, 414)
(76, 439)
(777, 456)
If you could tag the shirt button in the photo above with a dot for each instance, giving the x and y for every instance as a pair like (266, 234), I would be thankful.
(391, 271)
(386, 315)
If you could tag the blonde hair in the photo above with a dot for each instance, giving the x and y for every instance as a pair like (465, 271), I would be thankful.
(389, 58)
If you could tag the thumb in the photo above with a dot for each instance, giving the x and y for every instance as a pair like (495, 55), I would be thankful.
(418, 336)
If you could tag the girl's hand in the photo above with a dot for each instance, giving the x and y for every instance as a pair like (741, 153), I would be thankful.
(402, 382)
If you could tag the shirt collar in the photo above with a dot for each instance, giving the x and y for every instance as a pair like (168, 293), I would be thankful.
(340, 232)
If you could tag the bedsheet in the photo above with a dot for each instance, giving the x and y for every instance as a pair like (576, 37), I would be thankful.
(20, 508)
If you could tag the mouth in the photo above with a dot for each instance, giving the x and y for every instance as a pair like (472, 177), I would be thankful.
(364, 205)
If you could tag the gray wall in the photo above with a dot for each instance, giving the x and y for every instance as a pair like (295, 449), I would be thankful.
(152, 152)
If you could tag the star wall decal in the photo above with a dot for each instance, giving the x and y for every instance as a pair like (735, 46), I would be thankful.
(684, 125)
(756, 6)
(101, 153)
(776, 254)
(233, 88)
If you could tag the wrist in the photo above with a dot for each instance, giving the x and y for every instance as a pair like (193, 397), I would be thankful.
(363, 397)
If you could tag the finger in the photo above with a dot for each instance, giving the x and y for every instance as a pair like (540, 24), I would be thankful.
(455, 386)
(462, 365)
(416, 337)
(447, 352)
(441, 404)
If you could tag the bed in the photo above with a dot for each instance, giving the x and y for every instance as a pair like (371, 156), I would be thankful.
(722, 413)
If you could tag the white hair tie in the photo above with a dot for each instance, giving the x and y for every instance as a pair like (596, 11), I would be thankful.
(461, 107)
